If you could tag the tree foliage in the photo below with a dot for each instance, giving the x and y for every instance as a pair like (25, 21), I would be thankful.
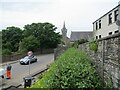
(35, 35)
(11, 36)
(45, 33)
(29, 43)
(78, 42)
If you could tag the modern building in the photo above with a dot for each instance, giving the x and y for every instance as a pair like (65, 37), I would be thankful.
(81, 35)
(106, 24)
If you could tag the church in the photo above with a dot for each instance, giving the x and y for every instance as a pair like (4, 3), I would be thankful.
(75, 35)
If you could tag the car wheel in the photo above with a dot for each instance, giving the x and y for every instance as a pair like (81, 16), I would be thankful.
(35, 60)
(27, 63)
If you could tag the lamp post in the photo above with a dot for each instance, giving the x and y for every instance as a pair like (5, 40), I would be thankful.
(30, 53)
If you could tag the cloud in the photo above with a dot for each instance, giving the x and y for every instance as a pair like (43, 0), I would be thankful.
(78, 14)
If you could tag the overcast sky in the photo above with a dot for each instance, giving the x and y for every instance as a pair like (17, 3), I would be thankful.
(77, 14)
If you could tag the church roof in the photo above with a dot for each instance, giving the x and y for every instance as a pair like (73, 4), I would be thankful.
(81, 35)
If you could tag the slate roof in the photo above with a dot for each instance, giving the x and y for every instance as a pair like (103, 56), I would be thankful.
(81, 35)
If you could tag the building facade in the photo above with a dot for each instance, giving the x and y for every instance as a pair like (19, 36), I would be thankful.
(106, 25)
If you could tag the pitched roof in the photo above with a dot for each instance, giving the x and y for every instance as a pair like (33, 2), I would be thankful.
(81, 35)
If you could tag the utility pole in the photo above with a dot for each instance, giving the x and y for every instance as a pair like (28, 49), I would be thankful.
(30, 53)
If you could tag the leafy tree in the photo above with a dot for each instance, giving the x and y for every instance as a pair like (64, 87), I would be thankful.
(11, 36)
(45, 34)
(6, 52)
(78, 42)
(29, 43)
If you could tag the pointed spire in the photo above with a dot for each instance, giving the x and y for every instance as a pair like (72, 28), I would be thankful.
(64, 26)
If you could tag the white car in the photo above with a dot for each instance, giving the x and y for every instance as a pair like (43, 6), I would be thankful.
(2, 75)
(26, 59)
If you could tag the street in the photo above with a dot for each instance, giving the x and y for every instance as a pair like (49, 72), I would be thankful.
(21, 71)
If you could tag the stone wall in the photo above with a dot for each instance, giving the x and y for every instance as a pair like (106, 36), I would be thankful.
(107, 58)
(59, 50)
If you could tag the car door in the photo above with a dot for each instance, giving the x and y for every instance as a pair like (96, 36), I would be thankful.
(32, 58)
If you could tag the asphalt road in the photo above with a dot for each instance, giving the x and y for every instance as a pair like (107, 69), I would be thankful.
(21, 71)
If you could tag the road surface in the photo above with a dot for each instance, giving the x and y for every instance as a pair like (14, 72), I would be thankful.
(20, 71)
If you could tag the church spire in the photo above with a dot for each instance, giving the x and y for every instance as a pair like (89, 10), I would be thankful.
(64, 26)
(64, 33)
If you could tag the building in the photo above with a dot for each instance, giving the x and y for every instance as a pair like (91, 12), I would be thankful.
(106, 25)
(64, 34)
(81, 35)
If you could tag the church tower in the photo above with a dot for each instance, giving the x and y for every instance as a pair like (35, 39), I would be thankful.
(64, 33)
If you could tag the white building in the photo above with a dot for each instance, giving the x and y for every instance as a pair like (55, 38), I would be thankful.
(106, 25)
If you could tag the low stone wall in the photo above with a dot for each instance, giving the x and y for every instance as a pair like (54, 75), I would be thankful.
(107, 58)
(12, 57)
(59, 50)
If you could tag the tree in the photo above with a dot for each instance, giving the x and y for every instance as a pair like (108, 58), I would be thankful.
(29, 43)
(11, 36)
(45, 34)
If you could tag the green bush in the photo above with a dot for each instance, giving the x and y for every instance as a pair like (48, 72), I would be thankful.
(6, 52)
(93, 46)
(22, 51)
(71, 70)
(78, 42)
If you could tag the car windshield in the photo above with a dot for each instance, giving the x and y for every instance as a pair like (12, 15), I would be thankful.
(26, 57)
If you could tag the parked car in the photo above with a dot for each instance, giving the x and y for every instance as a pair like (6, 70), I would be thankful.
(2, 75)
(26, 59)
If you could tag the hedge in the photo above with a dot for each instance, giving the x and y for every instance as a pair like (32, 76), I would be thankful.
(71, 70)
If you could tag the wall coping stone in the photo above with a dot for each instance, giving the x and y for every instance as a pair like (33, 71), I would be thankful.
(109, 37)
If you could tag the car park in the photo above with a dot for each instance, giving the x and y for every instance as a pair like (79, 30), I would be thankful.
(28, 59)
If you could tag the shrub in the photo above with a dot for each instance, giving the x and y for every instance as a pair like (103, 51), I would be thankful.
(6, 52)
(93, 46)
(78, 42)
(71, 70)
(22, 51)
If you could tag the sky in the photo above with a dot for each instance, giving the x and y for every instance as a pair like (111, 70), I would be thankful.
(77, 14)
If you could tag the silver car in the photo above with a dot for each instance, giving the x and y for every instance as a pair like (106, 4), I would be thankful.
(28, 59)
(2, 76)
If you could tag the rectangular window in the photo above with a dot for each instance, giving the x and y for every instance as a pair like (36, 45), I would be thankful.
(99, 36)
(99, 24)
(115, 14)
(110, 33)
(96, 26)
(116, 31)
(96, 37)
(110, 18)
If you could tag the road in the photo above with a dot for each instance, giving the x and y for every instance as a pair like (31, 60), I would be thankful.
(20, 71)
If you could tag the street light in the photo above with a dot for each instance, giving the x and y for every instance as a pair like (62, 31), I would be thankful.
(30, 53)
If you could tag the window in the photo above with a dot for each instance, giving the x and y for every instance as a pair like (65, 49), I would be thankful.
(99, 24)
(96, 26)
(99, 36)
(116, 31)
(96, 37)
(110, 33)
(110, 18)
(115, 14)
